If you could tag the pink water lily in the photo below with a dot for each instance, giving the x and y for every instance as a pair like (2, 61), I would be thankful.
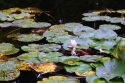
(73, 44)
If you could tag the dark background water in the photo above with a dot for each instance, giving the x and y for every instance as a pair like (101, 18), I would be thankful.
(65, 10)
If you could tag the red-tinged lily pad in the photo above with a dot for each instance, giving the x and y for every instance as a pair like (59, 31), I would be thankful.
(59, 79)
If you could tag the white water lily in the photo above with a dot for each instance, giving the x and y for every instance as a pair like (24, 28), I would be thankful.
(73, 44)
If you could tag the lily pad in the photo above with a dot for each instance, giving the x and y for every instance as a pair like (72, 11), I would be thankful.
(43, 48)
(104, 33)
(29, 37)
(115, 20)
(90, 58)
(70, 60)
(8, 71)
(44, 67)
(110, 26)
(60, 39)
(8, 49)
(92, 78)
(80, 30)
(9, 75)
(59, 79)
(71, 26)
(111, 69)
(50, 47)
(81, 68)
(49, 57)
(5, 24)
(90, 14)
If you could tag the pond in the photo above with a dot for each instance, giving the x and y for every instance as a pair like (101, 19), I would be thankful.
(36, 51)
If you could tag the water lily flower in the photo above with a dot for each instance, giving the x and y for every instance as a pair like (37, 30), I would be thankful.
(101, 51)
(73, 44)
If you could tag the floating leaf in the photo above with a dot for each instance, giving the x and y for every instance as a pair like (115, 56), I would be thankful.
(70, 60)
(59, 79)
(50, 47)
(80, 30)
(92, 78)
(110, 26)
(31, 47)
(30, 57)
(29, 37)
(84, 74)
(9, 75)
(8, 49)
(104, 33)
(90, 14)
(5, 24)
(105, 45)
(60, 39)
(111, 69)
(90, 58)
(71, 26)
(115, 20)
(81, 68)
(44, 67)
(8, 71)
(49, 57)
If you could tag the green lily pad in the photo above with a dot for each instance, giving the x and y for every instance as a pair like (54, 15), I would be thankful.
(31, 47)
(9, 75)
(29, 55)
(111, 69)
(104, 33)
(90, 58)
(105, 45)
(110, 26)
(29, 37)
(49, 57)
(43, 48)
(71, 26)
(70, 60)
(59, 79)
(8, 71)
(90, 14)
(60, 39)
(8, 49)
(50, 47)
(81, 68)
(80, 30)
(115, 20)
(92, 78)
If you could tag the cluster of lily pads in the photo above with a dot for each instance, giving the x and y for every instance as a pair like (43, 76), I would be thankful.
(106, 65)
